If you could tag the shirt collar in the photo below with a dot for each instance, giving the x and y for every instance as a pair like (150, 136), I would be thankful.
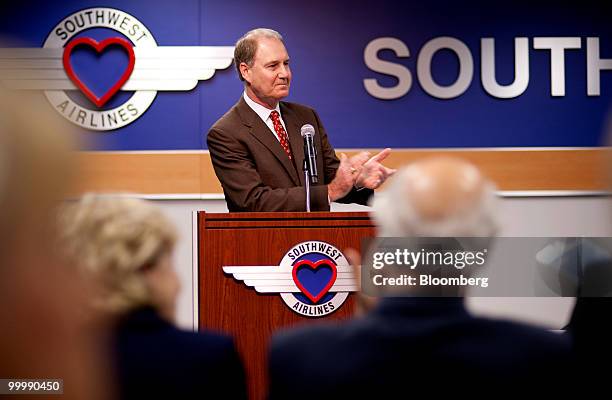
(263, 112)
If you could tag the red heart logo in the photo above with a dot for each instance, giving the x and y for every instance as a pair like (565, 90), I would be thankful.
(99, 47)
(309, 264)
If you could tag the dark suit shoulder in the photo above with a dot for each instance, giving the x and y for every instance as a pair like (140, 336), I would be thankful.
(521, 337)
(481, 340)
(335, 336)
(154, 358)
(302, 112)
(144, 329)
(228, 121)
(375, 354)
(297, 107)
(210, 345)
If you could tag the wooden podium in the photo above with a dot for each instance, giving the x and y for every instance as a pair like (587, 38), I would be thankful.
(262, 239)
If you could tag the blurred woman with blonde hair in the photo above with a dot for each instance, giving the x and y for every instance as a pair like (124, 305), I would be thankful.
(125, 244)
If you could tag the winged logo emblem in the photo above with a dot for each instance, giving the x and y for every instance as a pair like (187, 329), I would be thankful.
(161, 68)
(151, 68)
(313, 278)
(279, 279)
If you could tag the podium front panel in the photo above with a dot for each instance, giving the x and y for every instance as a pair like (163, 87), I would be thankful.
(262, 239)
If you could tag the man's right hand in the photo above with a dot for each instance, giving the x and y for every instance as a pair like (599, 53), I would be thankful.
(345, 176)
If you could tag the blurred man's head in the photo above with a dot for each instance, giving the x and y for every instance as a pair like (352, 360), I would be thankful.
(262, 62)
(35, 171)
(433, 205)
(437, 197)
(35, 164)
(43, 331)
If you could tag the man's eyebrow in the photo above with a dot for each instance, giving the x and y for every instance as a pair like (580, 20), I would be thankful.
(275, 62)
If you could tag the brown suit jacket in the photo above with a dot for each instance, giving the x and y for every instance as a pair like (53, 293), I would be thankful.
(256, 173)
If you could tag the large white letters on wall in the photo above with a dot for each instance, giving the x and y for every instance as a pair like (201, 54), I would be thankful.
(556, 46)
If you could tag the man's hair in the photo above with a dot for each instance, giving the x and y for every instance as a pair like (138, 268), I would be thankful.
(246, 46)
(113, 239)
(396, 216)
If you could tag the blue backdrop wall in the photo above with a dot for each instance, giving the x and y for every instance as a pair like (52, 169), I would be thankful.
(326, 41)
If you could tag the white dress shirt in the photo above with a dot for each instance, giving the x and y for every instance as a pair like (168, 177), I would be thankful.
(264, 114)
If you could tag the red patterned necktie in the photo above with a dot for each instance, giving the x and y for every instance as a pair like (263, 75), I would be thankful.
(280, 131)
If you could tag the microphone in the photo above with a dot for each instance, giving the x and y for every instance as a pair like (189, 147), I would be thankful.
(310, 152)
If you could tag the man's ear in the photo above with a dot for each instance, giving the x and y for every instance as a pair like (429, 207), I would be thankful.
(245, 72)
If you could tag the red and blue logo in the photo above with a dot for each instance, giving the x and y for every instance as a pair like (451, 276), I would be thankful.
(313, 278)
(101, 68)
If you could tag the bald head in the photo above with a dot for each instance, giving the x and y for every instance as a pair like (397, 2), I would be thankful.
(439, 188)
(439, 196)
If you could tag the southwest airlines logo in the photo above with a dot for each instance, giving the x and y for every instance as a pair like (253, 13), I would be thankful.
(62, 67)
(313, 278)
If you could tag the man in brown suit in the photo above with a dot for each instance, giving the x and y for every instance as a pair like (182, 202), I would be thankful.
(257, 149)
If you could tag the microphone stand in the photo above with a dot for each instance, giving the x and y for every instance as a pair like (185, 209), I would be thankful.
(307, 182)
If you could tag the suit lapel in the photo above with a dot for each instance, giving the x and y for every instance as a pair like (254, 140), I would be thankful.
(295, 139)
(262, 133)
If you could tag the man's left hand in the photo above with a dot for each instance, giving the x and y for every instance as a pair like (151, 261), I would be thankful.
(372, 173)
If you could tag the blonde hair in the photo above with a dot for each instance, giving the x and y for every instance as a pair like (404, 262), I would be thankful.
(113, 239)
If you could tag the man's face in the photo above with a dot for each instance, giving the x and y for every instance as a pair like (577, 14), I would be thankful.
(270, 76)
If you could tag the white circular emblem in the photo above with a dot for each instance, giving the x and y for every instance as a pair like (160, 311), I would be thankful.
(315, 272)
(137, 34)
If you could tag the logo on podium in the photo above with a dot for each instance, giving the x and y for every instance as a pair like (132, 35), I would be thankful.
(101, 68)
(313, 278)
